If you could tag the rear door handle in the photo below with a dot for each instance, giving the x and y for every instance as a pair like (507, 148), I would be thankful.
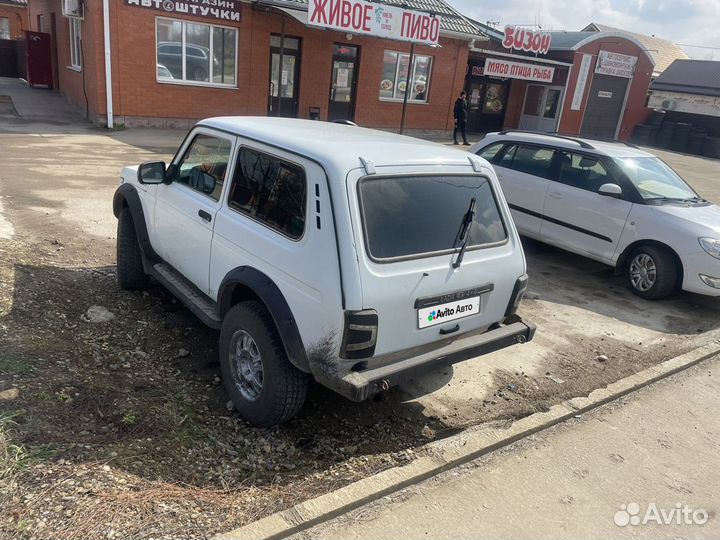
(205, 215)
(555, 195)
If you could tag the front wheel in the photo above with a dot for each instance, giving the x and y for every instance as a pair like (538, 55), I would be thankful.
(264, 386)
(652, 272)
(130, 272)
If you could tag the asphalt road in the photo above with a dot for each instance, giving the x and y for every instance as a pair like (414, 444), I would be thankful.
(610, 474)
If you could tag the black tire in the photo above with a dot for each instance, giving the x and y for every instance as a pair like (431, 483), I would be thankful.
(130, 273)
(283, 386)
(665, 276)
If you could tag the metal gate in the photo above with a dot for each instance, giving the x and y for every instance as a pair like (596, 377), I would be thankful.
(604, 107)
(39, 59)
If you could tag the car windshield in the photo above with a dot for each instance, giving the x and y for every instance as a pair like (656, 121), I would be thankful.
(414, 215)
(655, 180)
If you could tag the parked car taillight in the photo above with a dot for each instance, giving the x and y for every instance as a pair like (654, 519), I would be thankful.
(360, 334)
(517, 295)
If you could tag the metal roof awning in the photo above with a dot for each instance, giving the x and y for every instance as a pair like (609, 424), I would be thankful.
(298, 15)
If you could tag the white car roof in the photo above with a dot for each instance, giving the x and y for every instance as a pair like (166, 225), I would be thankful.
(605, 148)
(339, 146)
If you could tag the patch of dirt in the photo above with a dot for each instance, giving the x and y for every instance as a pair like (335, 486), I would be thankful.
(120, 428)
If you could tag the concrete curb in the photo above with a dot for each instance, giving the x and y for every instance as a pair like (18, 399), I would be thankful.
(451, 452)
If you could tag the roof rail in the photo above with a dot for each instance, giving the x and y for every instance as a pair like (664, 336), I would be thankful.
(608, 140)
(582, 143)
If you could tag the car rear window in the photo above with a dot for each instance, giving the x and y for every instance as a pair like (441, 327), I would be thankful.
(412, 216)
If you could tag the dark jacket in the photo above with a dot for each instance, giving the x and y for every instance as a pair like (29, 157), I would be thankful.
(460, 110)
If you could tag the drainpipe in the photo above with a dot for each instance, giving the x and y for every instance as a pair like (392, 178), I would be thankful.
(108, 65)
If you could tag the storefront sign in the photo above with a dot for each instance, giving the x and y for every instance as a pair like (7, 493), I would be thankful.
(581, 82)
(522, 39)
(375, 19)
(516, 70)
(616, 64)
(224, 10)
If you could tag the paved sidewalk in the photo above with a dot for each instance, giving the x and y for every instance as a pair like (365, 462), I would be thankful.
(659, 446)
(38, 103)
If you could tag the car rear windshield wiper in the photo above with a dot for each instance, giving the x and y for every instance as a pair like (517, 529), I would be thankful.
(465, 232)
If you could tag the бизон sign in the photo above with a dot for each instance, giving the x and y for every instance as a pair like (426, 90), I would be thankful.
(516, 70)
(526, 40)
(375, 19)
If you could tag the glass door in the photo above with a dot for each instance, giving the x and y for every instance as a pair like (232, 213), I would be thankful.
(284, 83)
(343, 82)
(542, 108)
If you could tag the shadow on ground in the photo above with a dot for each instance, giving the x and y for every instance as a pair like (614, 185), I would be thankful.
(564, 278)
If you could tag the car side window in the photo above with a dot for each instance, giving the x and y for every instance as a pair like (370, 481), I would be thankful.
(491, 152)
(533, 160)
(507, 157)
(270, 190)
(204, 164)
(582, 171)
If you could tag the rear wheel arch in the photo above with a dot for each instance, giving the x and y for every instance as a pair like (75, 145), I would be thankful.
(246, 283)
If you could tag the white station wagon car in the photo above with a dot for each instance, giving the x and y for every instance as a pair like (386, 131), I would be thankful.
(324, 251)
(611, 202)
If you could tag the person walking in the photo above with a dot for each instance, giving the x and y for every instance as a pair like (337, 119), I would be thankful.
(460, 114)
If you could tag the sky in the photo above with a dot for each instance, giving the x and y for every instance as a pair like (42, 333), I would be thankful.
(691, 22)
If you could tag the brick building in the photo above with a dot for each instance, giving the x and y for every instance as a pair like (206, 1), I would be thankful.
(13, 19)
(176, 61)
(592, 84)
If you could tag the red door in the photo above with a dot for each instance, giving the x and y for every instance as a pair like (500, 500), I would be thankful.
(39, 58)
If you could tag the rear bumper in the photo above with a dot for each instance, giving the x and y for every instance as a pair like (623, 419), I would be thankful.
(360, 385)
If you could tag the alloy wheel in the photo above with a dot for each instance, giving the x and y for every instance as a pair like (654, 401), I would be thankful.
(246, 365)
(643, 272)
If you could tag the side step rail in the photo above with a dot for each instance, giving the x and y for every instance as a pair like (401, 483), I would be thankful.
(202, 306)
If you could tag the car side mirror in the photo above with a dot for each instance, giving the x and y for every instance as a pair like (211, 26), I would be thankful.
(152, 172)
(610, 190)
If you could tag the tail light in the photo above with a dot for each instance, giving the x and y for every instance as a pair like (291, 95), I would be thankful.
(517, 295)
(360, 334)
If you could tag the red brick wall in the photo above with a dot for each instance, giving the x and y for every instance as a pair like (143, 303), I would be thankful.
(138, 95)
(635, 110)
(18, 20)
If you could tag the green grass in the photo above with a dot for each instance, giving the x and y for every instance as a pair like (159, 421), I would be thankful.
(15, 457)
(13, 363)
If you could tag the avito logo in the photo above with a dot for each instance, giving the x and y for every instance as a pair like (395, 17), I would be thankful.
(439, 314)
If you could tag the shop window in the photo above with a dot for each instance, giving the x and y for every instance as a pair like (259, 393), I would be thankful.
(394, 81)
(189, 52)
(551, 103)
(4, 28)
(270, 191)
(76, 54)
